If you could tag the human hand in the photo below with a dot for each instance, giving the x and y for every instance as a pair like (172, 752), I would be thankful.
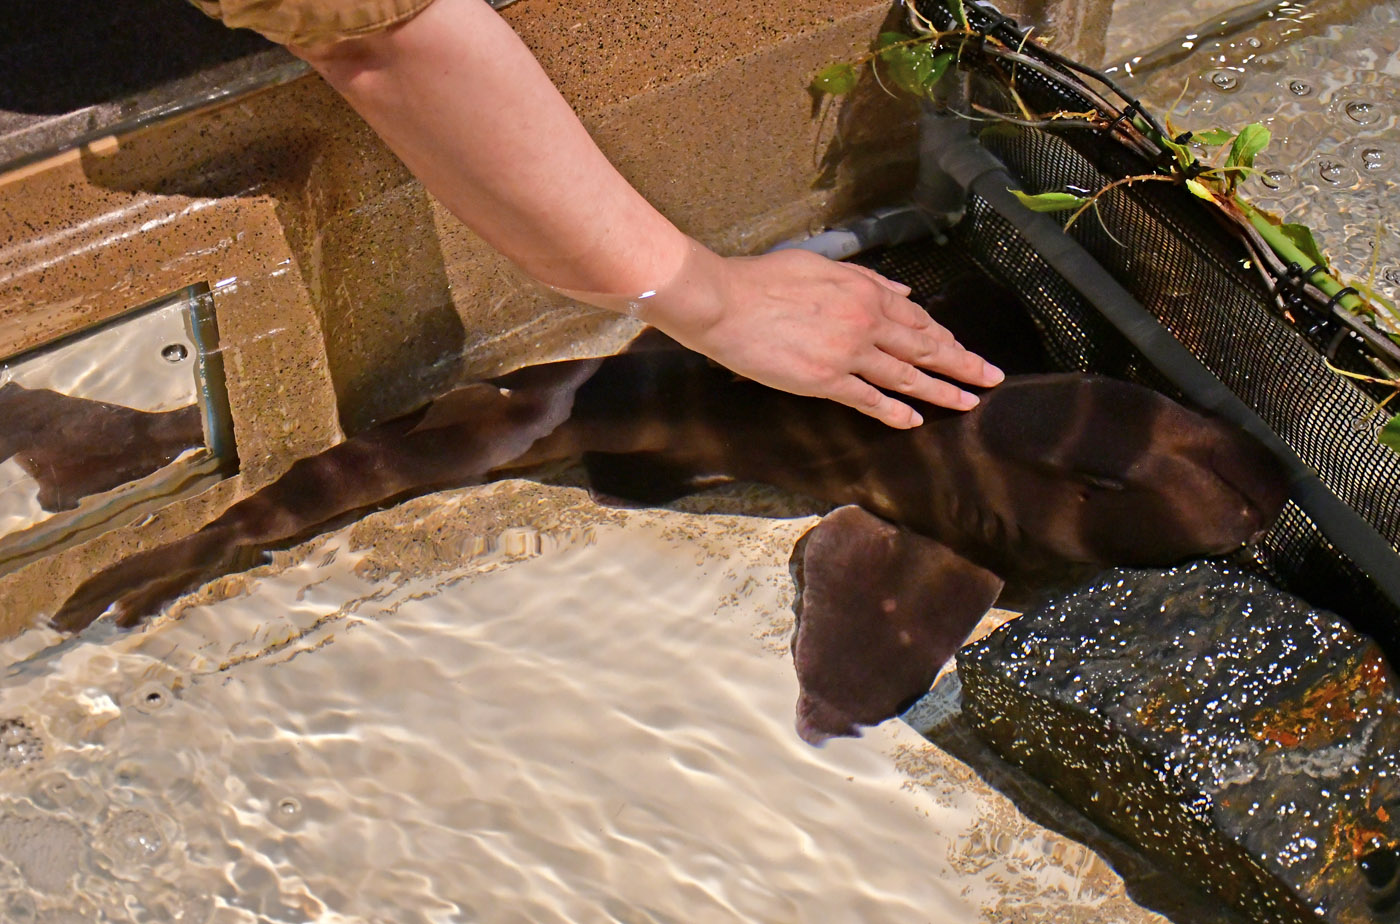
(801, 323)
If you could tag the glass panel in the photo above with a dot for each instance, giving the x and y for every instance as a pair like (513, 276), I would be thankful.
(102, 426)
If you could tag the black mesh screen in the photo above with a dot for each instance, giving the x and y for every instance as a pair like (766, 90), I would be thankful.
(1193, 274)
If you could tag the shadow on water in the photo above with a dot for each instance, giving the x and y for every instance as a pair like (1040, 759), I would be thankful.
(1145, 883)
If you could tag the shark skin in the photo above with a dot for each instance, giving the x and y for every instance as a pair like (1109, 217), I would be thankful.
(879, 611)
(1050, 473)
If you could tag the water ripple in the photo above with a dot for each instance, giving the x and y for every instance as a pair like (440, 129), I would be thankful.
(584, 719)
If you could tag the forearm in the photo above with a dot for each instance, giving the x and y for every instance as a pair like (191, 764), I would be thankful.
(463, 102)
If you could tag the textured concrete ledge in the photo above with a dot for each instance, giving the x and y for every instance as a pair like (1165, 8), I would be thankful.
(1248, 744)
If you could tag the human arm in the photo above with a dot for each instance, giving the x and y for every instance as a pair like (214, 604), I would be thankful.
(456, 94)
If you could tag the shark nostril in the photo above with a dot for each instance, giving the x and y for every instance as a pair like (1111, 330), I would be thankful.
(1381, 869)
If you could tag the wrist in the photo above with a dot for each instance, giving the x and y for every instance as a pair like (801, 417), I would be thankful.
(686, 301)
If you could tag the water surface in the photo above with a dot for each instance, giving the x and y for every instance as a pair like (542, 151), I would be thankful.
(584, 716)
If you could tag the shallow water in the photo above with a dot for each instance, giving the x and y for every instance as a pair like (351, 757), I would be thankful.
(1325, 78)
(586, 716)
(507, 704)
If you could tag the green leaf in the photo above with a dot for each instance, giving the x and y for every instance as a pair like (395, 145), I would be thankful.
(886, 39)
(1213, 137)
(1302, 238)
(1050, 201)
(1390, 433)
(836, 79)
(940, 67)
(913, 66)
(1249, 142)
(1199, 190)
(1182, 152)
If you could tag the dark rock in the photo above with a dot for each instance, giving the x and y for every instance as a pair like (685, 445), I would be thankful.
(1249, 744)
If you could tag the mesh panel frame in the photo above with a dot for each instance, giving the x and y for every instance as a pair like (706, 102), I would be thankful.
(1192, 273)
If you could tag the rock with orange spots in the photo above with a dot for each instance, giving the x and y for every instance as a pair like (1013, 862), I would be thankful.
(1243, 740)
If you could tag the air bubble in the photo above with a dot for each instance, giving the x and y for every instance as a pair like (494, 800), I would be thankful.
(174, 352)
(1274, 179)
(151, 698)
(1335, 173)
(1300, 88)
(1374, 159)
(1224, 80)
(54, 791)
(287, 813)
(133, 837)
(1362, 112)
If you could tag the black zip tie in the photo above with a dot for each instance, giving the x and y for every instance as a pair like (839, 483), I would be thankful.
(1294, 277)
(997, 19)
(1133, 108)
(1336, 299)
(1323, 318)
(1288, 280)
(1290, 288)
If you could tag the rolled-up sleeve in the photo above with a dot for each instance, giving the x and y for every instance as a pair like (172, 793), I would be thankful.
(311, 22)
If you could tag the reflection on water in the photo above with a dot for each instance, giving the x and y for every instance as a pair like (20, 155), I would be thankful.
(1325, 78)
(586, 716)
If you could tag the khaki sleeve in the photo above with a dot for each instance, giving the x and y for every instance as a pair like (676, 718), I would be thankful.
(311, 22)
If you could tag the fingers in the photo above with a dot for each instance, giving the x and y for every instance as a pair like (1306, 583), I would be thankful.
(939, 352)
(909, 314)
(868, 399)
(885, 371)
(916, 338)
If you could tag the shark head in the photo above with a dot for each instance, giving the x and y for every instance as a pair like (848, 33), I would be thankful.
(1101, 471)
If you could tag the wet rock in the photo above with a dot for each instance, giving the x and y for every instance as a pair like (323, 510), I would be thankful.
(1248, 743)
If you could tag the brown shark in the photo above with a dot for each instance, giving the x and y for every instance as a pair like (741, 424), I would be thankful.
(1049, 473)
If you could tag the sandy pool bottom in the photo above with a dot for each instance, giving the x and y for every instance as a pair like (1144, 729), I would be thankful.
(497, 704)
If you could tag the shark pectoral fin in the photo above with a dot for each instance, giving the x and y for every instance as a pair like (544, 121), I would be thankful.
(880, 609)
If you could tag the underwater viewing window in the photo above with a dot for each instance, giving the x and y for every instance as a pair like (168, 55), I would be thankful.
(105, 425)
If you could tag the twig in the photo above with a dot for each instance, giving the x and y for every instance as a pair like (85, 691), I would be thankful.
(1039, 123)
(1125, 181)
